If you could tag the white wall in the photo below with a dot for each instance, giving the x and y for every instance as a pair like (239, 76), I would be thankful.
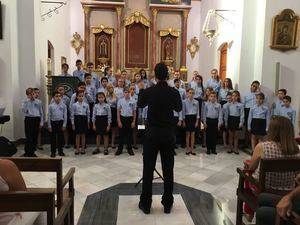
(290, 66)
(56, 29)
(232, 34)
(76, 25)
(8, 62)
(252, 43)
(194, 30)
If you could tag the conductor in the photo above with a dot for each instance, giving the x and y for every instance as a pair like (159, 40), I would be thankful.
(161, 100)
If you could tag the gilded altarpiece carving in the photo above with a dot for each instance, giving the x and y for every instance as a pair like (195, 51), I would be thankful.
(168, 51)
(103, 46)
(137, 41)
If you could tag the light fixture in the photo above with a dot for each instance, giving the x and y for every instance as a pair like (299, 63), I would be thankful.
(210, 30)
(58, 5)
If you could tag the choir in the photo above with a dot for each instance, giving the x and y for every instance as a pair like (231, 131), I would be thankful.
(109, 106)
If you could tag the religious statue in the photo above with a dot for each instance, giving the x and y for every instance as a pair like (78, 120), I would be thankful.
(103, 49)
(168, 50)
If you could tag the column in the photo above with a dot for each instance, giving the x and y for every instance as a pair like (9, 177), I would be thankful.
(87, 11)
(153, 38)
(183, 68)
(118, 36)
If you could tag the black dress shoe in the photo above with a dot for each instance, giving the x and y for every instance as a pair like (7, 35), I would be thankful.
(105, 151)
(118, 152)
(61, 153)
(214, 152)
(167, 210)
(33, 155)
(130, 152)
(96, 151)
(53, 155)
(145, 209)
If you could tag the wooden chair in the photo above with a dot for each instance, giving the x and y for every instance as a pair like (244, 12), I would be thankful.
(280, 221)
(43, 199)
(266, 165)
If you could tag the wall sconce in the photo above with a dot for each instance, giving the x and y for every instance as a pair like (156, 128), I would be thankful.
(210, 31)
(58, 5)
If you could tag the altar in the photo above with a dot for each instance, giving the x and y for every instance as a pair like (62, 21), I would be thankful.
(131, 35)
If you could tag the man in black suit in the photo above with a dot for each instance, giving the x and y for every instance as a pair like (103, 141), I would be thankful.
(161, 100)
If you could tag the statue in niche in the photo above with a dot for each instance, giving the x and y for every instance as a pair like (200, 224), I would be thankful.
(103, 49)
(168, 50)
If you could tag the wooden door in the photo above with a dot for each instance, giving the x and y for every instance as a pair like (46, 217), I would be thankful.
(223, 61)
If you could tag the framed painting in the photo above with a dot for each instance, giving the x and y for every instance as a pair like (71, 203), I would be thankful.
(285, 31)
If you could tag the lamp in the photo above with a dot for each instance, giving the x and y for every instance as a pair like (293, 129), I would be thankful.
(210, 31)
(58, 4)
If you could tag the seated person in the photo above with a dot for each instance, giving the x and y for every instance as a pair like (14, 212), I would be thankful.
(287, 207)
(280, 143)
(12, 180)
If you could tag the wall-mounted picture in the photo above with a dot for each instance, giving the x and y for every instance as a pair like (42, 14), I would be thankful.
(285, 31)
(0, 21)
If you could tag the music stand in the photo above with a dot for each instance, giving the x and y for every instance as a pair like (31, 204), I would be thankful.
(142, 127)
(155, 178)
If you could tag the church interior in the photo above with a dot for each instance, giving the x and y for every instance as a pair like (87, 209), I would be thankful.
(239, 57)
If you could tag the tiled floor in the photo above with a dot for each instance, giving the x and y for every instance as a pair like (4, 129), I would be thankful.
(210, 173)
(129, 214)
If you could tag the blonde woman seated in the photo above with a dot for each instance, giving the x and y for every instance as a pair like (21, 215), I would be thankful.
(280, 143)
(12, 180)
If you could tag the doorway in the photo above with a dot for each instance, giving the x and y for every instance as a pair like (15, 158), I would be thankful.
(223, 60)
(50, 59)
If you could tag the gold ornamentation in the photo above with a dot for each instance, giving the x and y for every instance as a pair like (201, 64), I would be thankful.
(185, 13)
(137, 17)
(285, 31)
(170, 31)
(119, 11)
(77, 42)
(100, 28)
(154, 12)
(183, 69)
(171, 1)
(193, 47)
(86, 9)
